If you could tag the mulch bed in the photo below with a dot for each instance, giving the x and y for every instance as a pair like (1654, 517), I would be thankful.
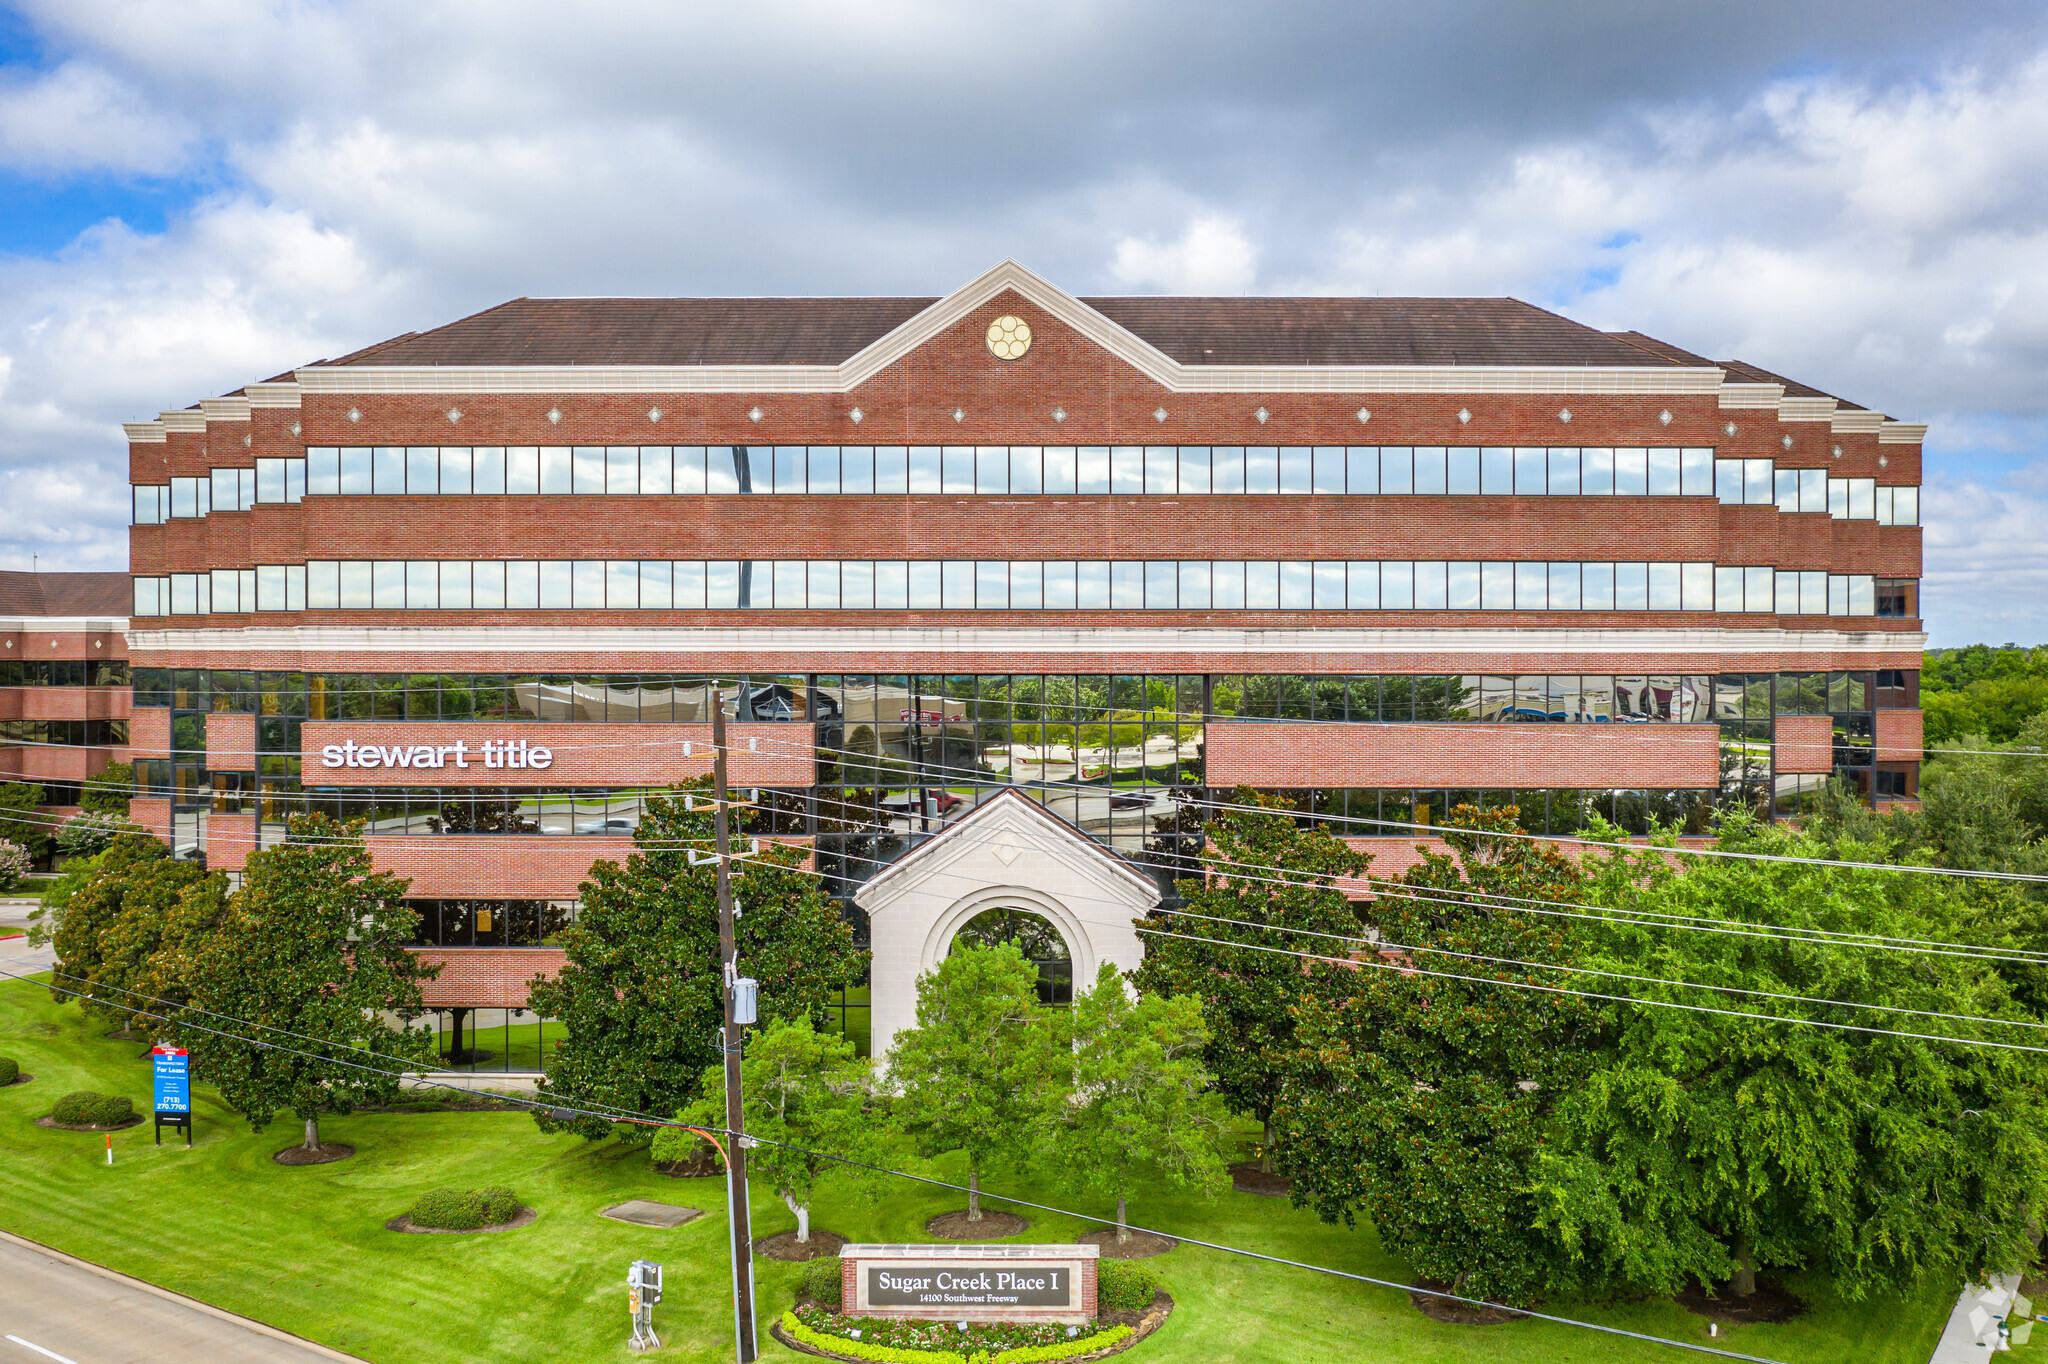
(783, 1245)
(1143, 1322)
(1247, 1177)
(329, 1152)
(1457, 1313)
(993, 1226)
(446, 1101)
(1142, 1245)
(18, 1080)
(403, 1222)
(134, 1120)
(1770, 1303)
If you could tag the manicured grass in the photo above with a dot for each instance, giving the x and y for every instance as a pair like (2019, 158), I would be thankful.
(306, 1248)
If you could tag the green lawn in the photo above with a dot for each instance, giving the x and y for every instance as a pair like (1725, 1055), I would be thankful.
(306, 1250)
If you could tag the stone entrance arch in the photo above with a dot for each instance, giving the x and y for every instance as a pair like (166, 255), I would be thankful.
(1008, 852)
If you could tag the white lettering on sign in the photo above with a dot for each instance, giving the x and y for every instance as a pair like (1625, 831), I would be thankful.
(495, 753)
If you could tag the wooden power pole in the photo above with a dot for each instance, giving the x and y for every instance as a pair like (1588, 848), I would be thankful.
(739, 1213)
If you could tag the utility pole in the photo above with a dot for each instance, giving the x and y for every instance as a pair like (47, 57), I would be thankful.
(738, 1212)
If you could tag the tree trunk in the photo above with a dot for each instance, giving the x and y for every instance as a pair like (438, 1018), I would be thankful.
(455, 1017)
(1742, 1282)
(803, 1216)
(1123, 1230)
(313, 1134)
(1266, 1149)
(973, 1193)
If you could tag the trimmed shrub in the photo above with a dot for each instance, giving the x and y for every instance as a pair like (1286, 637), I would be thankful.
(464, 1209)
(10, 1070)
(821, 1282)
(1036, 1354)
(94, 1110)
(1124, 1286)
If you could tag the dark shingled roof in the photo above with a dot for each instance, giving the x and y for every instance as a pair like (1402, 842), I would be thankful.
(1663, 348)
(1745, 372)
(64, 594)
(1195, 331)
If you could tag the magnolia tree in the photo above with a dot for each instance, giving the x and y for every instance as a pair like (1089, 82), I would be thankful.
(85, 834)
(807, 1098)
(1705, 1148)
(1136, 1099)
(642, 995)
(112, 924)
(303, 966)
(1266, 882)
(973, 1073)
(1419, 1085)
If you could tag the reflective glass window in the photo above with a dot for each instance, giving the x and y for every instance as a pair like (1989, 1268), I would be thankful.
(992, 585)
(924, 586)
(455, 585)
(554, 584)
(1091, 469)
(1227, 585)
(422, 469)
(323, 469)
(1664, 587)
(1262, 585)
(1162, 469)
(1462, 463)
(1664, 467)
(587, 585)
(1328, 473)
(1162, 584)
(356, 464)
(1564, 586)
(1126, 585)
(1091, 585)
(1596, 471)
(1631, 472)
(1362, 585)
(522, 469)
(456, 471)
(892, 585)
(1531, 471)
(856, 469)
(856, 585)
(924, 469)
(1194, 469)
(1596, 587)
(956, 585)
(1027, 585)
(1328, 587)
(1261, 469)
(1193, 587)
(1027, 469)
(1696, 587)
(1362, 469)
(1397, 469)
(522, 586)
(1497, 587)
(1431, 475)
(1397, 585)
(1728, 482)
(1226, 464)
(992, 469)
(1127, 469)
(1756, 589)
(388, 463)
(555, 467)
(1060, 469)
(387, 584)
(1631, 587)
(487, 585)
(1059, 587)
(1432, 584)
(1496, 471)
(622, 581)
(1296, 473)
(1464, 586)
(487, 470)
(1696, 472)
(1756, 482)
(1564, 472)
(892, 469)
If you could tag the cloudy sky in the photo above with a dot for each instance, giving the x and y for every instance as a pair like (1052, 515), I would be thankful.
(196, 195)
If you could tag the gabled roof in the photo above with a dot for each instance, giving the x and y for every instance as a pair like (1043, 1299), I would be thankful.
(1008, 809)
(69, 595)
(1743, 371)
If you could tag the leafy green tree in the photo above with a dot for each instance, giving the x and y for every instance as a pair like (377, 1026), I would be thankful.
(48, 915)
(1422, 1101)
(972, 1074)
(641, 995)
(1980, 690)
(112, 922)
(1137, 1100)
(1705, 1148)
(86, 834)
(108, 793)
(802, 1087)
(14, 864)
(22, 820)
(1273, 879)
(313, 944)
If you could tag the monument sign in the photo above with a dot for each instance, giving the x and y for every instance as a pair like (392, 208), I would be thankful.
(969, 1283)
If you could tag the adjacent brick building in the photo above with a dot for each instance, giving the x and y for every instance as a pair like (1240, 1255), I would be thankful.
(64, 690)
(1385, 555)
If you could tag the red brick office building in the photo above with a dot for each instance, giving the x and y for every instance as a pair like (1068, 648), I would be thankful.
(63, 684)
(1382, 554)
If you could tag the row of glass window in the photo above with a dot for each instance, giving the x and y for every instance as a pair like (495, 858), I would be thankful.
(55, 672)
(70, 733)
(1019, 585)
(1756, 482)
(948, 701)
(1153, 470)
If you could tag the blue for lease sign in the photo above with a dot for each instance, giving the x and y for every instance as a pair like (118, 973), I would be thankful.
(173, 1080)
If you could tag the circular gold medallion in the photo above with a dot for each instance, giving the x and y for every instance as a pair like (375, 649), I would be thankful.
(1008, 337)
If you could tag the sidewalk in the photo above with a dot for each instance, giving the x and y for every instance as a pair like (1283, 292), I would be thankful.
(1972, 1330)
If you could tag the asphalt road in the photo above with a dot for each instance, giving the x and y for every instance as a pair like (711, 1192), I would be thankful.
(53, 1308)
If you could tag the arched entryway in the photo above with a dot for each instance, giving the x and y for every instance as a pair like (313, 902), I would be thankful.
(1009, 871)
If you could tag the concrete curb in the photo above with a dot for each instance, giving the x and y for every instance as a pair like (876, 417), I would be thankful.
(167, 1295)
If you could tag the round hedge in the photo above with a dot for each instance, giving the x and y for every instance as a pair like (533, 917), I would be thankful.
(1124, 1285)
(464, 1209)
(86, 1108)
(10, 1070)
(821, 1282)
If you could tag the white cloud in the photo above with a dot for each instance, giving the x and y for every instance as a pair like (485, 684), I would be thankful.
(1213, 256)
(1986, 573)
(80, 118)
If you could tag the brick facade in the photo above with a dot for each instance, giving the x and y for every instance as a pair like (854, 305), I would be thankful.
(578, 754)
(1805, 744)
(486, 977)
(1899, 736)
(1664, 756)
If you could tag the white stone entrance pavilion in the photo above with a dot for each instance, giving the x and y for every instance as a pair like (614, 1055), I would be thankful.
(1007, 853)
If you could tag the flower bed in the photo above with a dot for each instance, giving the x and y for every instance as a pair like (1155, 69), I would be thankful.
(891, 1340)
